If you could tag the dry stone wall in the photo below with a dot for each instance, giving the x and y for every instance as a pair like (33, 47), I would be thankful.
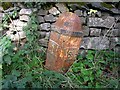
(101, 29)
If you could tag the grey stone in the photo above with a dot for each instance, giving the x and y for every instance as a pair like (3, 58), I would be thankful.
(97, 43)
(113, 32)
(73, 6)
(54, 11)
(45, 26)
(83, 20)
(42, 34)
(0, 20)
(16, 37)
(99, 22)
(34, 9)
(95, 22)
(117, 18)
(115, 10)
(114, 41)
(117, 50)
(85, 31)
(1, 9)
(43, 42)
(42, 12)
(2, 15)
(49, 18)
(108, 22)
(18, 23)
(104, 15)
(117, 26)
(41, 19)
(98, 13)
(47, 35)
(84, 13)
(78, 12)
(92, 14)
(84, 43)
(61, 7)
(24, 18)
(1, 29)
(25, 12)
(95, 32)
(16, 28)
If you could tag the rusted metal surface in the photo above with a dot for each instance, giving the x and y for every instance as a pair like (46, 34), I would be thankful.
(64, 42)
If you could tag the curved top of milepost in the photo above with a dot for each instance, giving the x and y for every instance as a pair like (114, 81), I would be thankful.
(68, 21)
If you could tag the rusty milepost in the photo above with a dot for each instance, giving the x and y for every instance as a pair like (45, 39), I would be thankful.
(64, 43)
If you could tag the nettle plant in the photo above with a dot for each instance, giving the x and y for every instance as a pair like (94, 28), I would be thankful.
(98, 69)
(17, 65)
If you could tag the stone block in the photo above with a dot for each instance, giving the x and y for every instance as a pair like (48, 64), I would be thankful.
(54, 11)
(117, 50)
(1, 29)
(16, 28)
(98, 13)
(114, 41)
(84, 43)
(49, 18)
(45, 26)
(117, 18)
(47, 35)
(99, 22)
(85, 31)
(117, 26)
(15, 35)
(18, 23)
(84, 13)
(25, 12)
(24, 18)
(83, 20)
(78, 12)
(43, 42)
(1, 9)
(97, 43)
(115, 11)
(2, 15)
(73, 7)
(95, 22)
(41, 19)
(42, 12)
(61, 7)
(108, 22)
(42, 34)
(95, 32)
(113, 32)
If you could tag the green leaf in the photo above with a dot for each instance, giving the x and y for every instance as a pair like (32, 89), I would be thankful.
(90, 52)
(98, 85)
(80, 57)
(86, 78)
(85, 72)
(16, 73)
(99, 72)
(11, 78)
(90, 56)
(7, 59)
(92, 77)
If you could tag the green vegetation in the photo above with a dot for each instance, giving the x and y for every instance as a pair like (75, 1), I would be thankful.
(25, 67)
